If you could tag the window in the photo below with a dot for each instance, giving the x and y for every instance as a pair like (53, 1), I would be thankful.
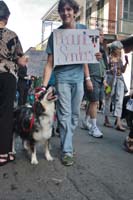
(128, 10)
(126, 6)
(100, 7)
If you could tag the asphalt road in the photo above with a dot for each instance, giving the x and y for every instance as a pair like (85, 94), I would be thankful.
(102, 171)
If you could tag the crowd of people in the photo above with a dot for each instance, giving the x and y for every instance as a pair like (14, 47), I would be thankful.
(96, 81)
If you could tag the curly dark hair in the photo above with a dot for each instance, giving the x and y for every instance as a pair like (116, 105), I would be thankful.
(72, 3)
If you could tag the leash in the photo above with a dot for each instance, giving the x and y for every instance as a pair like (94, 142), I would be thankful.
(32, 120)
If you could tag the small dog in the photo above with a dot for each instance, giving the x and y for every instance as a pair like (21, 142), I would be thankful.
(34, 123)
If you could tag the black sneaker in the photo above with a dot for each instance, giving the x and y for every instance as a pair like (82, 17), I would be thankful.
(67, 160)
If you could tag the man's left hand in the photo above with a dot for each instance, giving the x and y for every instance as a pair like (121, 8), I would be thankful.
(89, 85)
(98, 56)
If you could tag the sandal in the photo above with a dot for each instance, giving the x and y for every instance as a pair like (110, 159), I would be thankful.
(3, 158)
(128, 144)
(120, 128)
(107, 124)
(11, 157)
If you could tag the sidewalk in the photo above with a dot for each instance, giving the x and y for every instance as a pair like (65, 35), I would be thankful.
(102, 171)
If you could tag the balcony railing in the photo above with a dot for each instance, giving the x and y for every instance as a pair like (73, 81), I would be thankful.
(110, 26)
(126, 26)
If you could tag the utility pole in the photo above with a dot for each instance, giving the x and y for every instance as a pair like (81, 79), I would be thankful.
(97, 25)
(117, 16)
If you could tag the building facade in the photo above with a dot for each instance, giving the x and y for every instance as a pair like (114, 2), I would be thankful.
(114, 16)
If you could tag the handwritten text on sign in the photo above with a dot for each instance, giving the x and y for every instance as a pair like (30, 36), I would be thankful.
(75, 46)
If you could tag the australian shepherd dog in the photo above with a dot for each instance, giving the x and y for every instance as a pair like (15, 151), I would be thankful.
(34, 123)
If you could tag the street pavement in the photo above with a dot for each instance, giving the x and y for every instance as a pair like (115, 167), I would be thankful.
(102, 170)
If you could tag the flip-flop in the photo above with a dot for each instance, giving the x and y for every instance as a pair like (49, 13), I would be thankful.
(108, 125)
(120, 129)
(3, 163)
(4, 158)
(11, 157)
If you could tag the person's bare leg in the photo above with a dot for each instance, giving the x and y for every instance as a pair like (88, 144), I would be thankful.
(93, 109)
(106, 119)
(107, 122)
(119, 124)
(93, 112)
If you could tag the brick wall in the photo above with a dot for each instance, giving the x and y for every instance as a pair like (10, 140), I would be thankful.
(112, 16)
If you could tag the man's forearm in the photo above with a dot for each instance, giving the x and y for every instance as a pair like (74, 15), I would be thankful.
(86, 71)
(46, 75)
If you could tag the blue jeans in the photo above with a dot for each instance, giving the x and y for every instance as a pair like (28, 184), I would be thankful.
(68, 109)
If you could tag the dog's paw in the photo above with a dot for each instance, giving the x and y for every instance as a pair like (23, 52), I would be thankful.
(49, 158)
(25, 145)
(34, 162)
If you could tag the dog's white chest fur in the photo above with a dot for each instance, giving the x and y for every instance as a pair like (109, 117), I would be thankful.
(45, 130)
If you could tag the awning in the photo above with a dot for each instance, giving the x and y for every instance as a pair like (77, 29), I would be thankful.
(128, 42)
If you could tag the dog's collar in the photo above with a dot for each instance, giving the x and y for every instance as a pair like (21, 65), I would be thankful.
(31, 124)
(37, 111)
